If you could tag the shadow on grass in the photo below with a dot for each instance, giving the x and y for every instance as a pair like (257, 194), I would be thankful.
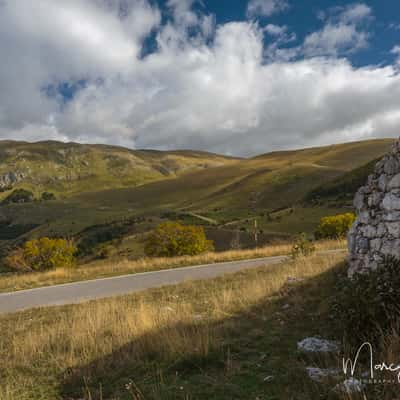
(251, 355)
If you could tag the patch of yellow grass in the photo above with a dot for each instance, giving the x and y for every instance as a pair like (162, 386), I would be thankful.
(40, 345)
(107, 268)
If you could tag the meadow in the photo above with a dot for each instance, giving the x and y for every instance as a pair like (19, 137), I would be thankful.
(94, 186)
(229, 338)
(108, 268)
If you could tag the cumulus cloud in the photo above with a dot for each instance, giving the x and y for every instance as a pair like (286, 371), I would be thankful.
(204, 86)
(343, 32)
(265, 8)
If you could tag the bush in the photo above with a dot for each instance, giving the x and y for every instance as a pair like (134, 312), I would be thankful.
(19, 196)
(42, 254)
(172, 239)
(46, 196)
(369, 304)
(335, 227)
(302, 247)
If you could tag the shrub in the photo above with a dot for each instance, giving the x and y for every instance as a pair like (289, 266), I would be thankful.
(46, 196)
(19, 196)
(172, 239)
(335, 227)
(42, 254)
(302, 247)
(369, 304)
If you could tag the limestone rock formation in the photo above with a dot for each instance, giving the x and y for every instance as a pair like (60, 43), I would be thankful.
(376, 231)
(8, 179)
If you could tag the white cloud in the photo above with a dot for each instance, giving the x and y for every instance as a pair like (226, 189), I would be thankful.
(355, 13)
(221, 95)
(275, 30)
(257, 8)
(343, 32)
(396, 50)
(335, 39)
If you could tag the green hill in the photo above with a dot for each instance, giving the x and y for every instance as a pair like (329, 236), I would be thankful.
(71, 168)
(343, 188)
(101, 185)
(269, 181)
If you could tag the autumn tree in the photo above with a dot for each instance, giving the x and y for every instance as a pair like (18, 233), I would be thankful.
(172, 239)
(42, 254)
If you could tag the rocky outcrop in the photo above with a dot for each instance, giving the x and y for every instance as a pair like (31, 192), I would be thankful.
(9, 179)
(376, 231)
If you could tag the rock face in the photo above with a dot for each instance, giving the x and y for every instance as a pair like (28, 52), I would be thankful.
(376, 231)
(8, 179)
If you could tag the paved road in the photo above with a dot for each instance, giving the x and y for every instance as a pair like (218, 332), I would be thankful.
(77, 292)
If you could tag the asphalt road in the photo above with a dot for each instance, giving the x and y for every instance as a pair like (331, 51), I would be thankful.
(77, 292)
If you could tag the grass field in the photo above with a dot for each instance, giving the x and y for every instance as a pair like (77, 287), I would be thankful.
(229, 338)
(107, 268)
(210, 189)
(69, 168)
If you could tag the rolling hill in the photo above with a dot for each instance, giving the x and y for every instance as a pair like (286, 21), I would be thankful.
(270, 181)
(71, 168)
(97, 186)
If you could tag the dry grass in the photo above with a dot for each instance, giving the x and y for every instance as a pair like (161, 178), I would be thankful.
(106, 268)
(37, 347)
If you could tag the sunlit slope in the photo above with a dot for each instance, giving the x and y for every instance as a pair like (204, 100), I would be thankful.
(269, 181)
(70, 168)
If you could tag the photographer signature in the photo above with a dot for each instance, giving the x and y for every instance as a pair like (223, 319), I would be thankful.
(394, 368)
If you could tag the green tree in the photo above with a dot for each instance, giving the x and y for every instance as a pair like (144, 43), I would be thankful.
(48, 196)
(42, 254)
(19, 196)
(172, 239)
(335, 227)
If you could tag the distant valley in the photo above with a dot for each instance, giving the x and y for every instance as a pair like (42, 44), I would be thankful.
(106, 194)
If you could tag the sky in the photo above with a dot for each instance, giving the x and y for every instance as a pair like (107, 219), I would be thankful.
(238, 77)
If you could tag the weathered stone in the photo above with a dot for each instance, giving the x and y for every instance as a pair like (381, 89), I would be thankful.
(391, 166)
(391, 216)
(351, 242)
(319, 374)
(364, 217)
(383, 182)
(363, 244)
(8, 179)
(381, 230)
(359, 201)
(374, 199)
(369, 231)
(376, 232)
(318, 345)
(375, 244)
(391, 248)
(394, 182)
(350, 386)
(391, 202)
(393, 228)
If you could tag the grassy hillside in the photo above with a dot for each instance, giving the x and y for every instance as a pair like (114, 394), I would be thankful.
(342, 189)
(226, 195)
(68, 168)
(270, 181)
(234, 337)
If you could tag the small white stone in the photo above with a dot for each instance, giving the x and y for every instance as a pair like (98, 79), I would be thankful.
(318, 374)
(350, 386)
(318, 345)
(268, 378)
